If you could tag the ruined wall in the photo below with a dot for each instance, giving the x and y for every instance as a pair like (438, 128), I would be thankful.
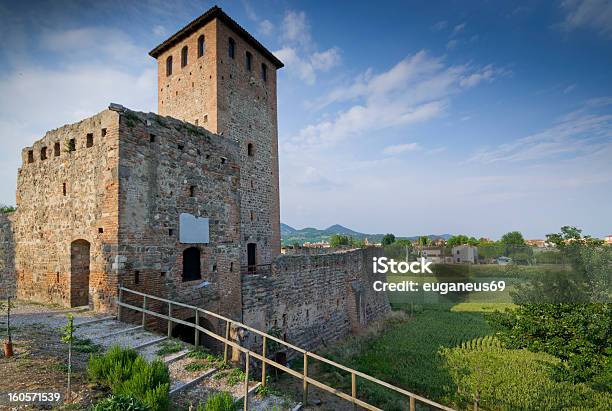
(169, 167)
(7, 256)
(67, 191)
(314, 299)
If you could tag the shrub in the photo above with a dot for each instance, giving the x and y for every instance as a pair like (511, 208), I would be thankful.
(127, 374)
(235, 376)
(120, 403)
(169, 347)
(222, 401)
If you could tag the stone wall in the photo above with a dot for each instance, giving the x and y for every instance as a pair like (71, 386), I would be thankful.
(67, 190)
(168, 167)
(314, 299)
(7, 256)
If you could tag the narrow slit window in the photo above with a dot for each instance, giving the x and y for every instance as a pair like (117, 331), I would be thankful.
(231, 48)
(90, 140)
(250, 150)
(184, 55)
(169, 66)
(201, 46)
(136, 277)
(249, 61)
(56, 150)
(264, 72)
(192, 191)
(30, 156)
(64, 189)
(43, 153)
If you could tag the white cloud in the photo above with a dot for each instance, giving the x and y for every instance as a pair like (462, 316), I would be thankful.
(580, 133)
(440, 25)
(160, 31)
(451, 44)
(459, 28)
(416, 89)
(592, 14)
(299, 51)
(266, 27)
(401, 148)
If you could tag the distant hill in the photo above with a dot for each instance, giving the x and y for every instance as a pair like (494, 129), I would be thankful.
(290, 235)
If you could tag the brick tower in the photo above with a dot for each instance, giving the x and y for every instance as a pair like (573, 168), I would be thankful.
(214, 74)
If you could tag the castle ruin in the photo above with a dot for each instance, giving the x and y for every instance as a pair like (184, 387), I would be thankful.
(183, 204)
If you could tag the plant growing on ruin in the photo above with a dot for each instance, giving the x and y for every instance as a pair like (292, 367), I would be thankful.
(70, 145)
(68, 338)
(6, 209)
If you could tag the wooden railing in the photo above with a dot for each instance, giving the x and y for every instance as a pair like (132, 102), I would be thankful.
(411, 398)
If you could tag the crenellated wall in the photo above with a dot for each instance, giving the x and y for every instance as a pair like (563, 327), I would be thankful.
(315, 299)
(7, 256)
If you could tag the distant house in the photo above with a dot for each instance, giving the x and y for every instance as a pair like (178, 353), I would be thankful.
(465, 254)
(320, 244)
(608, 239)
(504, 260)
(433, 254)
(538, 243)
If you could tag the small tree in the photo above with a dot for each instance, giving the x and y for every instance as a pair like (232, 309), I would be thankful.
(68, 338)
(388, 239)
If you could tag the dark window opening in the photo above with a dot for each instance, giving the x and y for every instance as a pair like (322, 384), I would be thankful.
(264, 72)
(56, 149)
(191, 191)
(249, 61)
(222, 160)
(151, 138)
(170, 232)
(64, 189)
(57, 277)
(250, 149)
(43, 153)
(252, 256)
(71, 145)
(162, 274)
(136, 277)
(252, 216)
(231, 49)
(103, 132)
(231, 267)
(184, 52)
(101, 230)
(181, 147)
(214, 268)
(89, 140)
(201, 46)
(169, 66)
(30, 156)
(191, 264)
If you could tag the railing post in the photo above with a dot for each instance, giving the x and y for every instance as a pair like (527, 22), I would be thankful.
(169, 320)
(354, 389)
(119, 305)
(227, 332)
(305, 395)
(263, 363)
(246, 383)
(197, 332)
(412, 404)
(144, 307)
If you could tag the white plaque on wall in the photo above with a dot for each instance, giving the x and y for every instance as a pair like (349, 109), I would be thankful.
(193, 230)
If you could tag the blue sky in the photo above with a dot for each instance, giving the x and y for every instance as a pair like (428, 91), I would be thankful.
(404, 117)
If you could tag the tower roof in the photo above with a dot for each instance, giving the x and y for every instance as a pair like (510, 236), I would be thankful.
(213, 13)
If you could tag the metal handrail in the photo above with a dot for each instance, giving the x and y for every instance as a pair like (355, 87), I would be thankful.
(263, 358)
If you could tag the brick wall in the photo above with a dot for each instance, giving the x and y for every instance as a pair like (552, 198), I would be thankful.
(314, 299)
(7, 257)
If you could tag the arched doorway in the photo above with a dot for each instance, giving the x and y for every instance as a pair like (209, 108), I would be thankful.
(79, 273)
(187, 334)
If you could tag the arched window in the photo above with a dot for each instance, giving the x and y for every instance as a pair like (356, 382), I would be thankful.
(191, 264)
(250, 149)
(249, 61)
(201, 46)
(184, 56)
(169, 66)
(231, 49)
(264, 72)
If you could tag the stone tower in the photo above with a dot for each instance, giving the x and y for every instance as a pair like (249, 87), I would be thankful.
(214, 74)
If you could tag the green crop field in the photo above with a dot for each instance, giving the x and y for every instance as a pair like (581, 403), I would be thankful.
(447, 353)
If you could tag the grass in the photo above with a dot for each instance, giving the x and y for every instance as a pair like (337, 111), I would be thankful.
(85, 346)
(447, 353)
(197, 366)
(169, 347)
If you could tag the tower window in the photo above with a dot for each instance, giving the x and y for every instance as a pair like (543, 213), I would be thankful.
(136, 277)
(64, 189)
(231, 48)
(103, 132)
(264, 72)
(191, 264)
(169, 66)
(56, 149)
(250, 150)
(249, 61)
(184, 52)
(201, 46)
(43, 153)
(151, 138)
(90, 140)
(30, 156)
(192, 191)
